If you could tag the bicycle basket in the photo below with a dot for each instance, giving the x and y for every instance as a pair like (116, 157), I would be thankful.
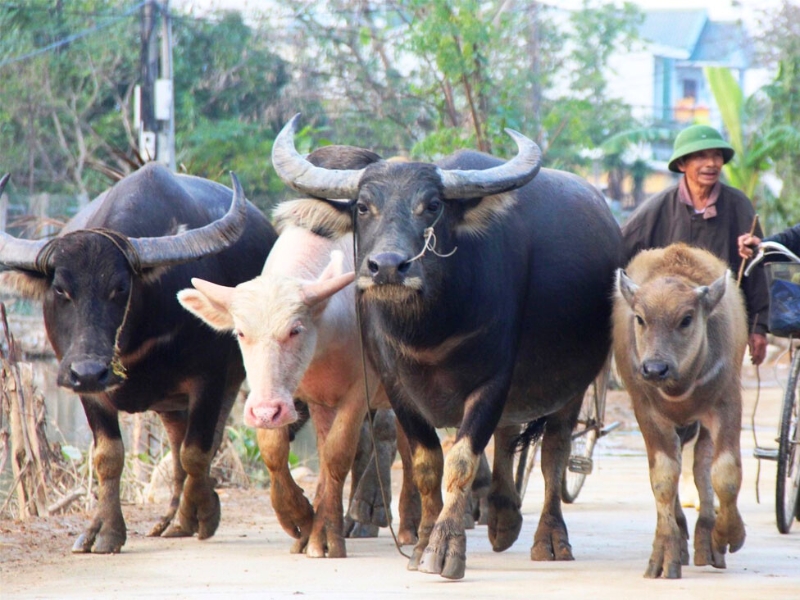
(784, 298)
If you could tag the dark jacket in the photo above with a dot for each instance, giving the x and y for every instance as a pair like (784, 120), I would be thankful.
(662, 220)
(788, 237)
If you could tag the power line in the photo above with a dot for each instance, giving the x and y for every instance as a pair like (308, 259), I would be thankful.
(70, 38)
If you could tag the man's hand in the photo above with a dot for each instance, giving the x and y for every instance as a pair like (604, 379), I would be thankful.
(746, 244)
(757, 343)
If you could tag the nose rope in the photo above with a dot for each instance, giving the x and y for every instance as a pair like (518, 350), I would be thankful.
(384, 495)
(430, 241)
(116, 361)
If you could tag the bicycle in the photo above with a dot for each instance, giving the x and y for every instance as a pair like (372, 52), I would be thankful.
(589, 428)
(784, 321)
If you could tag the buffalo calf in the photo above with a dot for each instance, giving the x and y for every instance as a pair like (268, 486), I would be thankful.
(680, 332)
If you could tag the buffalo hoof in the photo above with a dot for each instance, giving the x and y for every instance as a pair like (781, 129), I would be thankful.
(655, 570)
(299, 546)
(162, 527)
(407, 535)
(369, 511)
(665, 560)
(355, 529)
(199, 511)
(446, 553)
(326, 541)
(100, 538)
(504, 521)
(551, 541)
(176, 531)
(728, 533)
(416, 558)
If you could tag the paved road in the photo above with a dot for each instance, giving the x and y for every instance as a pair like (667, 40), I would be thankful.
(611, 528)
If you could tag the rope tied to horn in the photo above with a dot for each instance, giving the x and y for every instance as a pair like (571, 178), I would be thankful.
(123, 244)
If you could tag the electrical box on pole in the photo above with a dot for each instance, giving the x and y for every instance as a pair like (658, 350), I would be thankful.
(154, 103)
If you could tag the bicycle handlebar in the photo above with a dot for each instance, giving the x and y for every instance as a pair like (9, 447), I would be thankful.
(767, 249)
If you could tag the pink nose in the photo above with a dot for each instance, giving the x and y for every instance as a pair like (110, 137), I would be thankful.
(269, 415)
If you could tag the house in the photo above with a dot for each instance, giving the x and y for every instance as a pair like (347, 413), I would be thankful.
(663, 81)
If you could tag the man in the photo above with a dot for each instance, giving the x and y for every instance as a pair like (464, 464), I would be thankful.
(703, 212)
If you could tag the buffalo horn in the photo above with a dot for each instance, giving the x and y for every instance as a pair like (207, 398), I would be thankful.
(306, 178)
(15, 252)
(506, 177)
(196, 243)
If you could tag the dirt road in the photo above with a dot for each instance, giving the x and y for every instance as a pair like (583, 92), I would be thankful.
(611, 528)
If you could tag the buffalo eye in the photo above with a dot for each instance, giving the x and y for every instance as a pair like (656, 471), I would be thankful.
(296, 330)
(686, 321)
(119, 291)
(362, 208)
(60, 292)
(639, 320)
(434, 206)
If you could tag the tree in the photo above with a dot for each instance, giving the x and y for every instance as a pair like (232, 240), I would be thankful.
(779, 48)
(756, 137)
(64, 109)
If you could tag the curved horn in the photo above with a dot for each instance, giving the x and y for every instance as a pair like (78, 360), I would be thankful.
(509, 176)
(196, 243)
(17, 253)
(300, 174)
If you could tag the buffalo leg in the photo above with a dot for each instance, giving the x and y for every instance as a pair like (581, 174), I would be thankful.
(551, 542)
(410, 507)
(106, 534)
(371, 468)
(199, 509)
(505, 518)
(664, 460)
(337, 435)
(291, 506)
(427, 465)
(175, 426)
(727, 530)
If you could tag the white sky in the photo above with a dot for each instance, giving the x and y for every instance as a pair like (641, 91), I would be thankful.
(718, 9)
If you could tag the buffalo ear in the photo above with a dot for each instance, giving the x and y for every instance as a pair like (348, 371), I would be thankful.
(479, 215)
(210, 303)
(626, 287)
(711, 295)
(329, 219)
(26, 284)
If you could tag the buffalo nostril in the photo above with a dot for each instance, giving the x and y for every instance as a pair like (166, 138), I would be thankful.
(90, 373)
(387, 264)
(373, 266)
(654, 369)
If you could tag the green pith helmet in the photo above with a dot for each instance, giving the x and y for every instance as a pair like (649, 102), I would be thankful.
(696, 138)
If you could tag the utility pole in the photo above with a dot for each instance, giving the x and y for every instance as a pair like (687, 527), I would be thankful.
(155, 108)
(165, 98)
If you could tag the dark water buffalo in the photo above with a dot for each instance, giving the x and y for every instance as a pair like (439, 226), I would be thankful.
(485, 308)
(108, 284)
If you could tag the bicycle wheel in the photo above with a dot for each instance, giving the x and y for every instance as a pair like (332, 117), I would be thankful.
(526, 459)
(585, 435)
(788, 483)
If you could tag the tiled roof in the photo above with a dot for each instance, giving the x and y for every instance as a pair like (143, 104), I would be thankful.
(723, 43)
(674, 28)
(690, 35)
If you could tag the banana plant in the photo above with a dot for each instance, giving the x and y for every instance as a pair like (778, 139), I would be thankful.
(756, 143)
